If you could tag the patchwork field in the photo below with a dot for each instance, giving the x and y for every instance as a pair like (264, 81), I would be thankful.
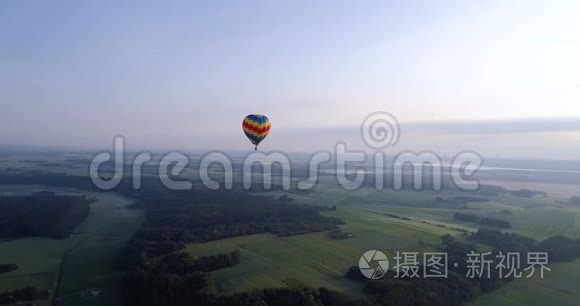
(317, 260)
(85, 260)
(82, 261)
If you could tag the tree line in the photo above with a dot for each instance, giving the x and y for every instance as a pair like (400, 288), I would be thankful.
(43, 214)
(492, 222)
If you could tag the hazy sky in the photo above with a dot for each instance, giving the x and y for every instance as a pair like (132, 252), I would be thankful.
(183, 74)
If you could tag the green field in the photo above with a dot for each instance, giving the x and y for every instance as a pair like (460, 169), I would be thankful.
(316, 260)
(559, 287)
(82, 261)
(85, 260)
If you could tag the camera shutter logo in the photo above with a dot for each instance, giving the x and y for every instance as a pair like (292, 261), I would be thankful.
(376, 259)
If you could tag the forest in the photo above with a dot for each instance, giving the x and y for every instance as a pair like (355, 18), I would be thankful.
(153, 258)
(42, 214)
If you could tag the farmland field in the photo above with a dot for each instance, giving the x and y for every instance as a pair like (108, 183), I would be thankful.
(313, 259)
(385, 220)
(560, 285)
(82, 261)
(272, 261)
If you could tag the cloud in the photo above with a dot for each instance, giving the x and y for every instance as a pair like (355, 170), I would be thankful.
(508, 126)
(495, 126)
(517, 138)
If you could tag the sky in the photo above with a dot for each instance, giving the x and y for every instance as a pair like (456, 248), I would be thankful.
(498, 77)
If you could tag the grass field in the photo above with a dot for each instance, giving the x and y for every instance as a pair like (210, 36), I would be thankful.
(316, 260)
(269, 261)
(313, 259)
(82, 261)
(559, 287)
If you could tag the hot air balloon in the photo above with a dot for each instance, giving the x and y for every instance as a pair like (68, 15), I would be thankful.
(256, 127)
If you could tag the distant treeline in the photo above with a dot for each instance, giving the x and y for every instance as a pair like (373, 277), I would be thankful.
(483, 221)
(42, 214)
(490, 190)
(398, 217)
(461, 199)
(83, 182)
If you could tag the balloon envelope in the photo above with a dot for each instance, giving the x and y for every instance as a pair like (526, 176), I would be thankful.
(256, 127)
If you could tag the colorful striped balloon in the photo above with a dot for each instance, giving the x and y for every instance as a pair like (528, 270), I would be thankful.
(256, 127)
